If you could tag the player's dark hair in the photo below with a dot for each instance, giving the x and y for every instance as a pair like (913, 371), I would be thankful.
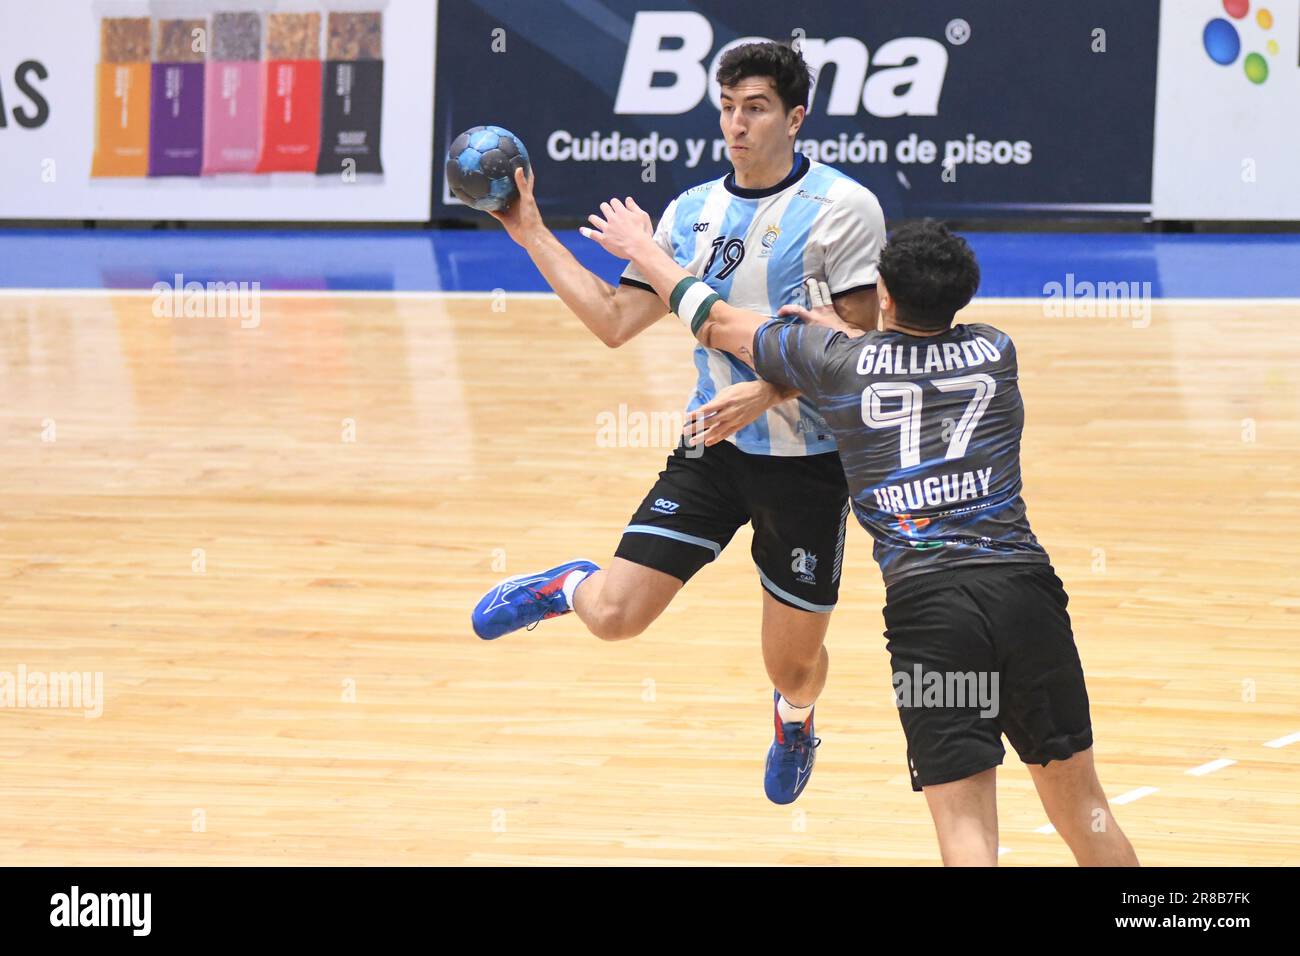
(929, 272)
(789, 73)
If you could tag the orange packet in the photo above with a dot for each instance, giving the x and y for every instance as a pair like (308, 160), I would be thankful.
(122, 98)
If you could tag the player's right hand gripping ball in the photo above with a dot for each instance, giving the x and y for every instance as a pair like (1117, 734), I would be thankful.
(481, 167)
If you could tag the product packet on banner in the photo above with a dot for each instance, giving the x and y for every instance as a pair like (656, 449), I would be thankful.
(122, 94)
(292, 101)
(353, 95)
(176, 116)
(232, 113)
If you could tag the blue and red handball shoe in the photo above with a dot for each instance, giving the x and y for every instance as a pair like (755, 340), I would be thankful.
(525, 599)
(790, 759)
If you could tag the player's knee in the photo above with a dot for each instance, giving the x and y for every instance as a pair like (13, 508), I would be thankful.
(791, 672)
(615, 622)
(1079, 803)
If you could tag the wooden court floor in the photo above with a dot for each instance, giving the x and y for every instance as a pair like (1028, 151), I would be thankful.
(266, 541)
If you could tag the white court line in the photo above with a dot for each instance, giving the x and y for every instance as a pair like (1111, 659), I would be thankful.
(1210, 767)
(408, 294)
(277, 294)
(1132, 795)
(1154, 300)
(1141, 792)
(1003, 849)
(1283, 741)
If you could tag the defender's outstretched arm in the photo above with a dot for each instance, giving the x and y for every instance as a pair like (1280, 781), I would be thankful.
(624, 230)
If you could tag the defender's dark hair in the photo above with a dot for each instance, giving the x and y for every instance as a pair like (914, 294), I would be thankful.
(929, 272)
(784, 65)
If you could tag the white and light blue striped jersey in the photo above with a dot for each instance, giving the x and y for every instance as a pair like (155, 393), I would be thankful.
(755, 248)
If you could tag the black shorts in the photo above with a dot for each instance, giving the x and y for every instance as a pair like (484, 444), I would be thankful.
(799, 507)
(998, 638)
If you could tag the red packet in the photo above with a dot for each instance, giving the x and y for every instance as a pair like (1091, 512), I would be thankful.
(291, 113)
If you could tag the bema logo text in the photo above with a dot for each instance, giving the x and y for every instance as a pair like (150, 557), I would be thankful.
(30, 108)
(908, 85)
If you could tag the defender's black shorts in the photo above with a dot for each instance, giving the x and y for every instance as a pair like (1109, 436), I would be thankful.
(799, 506)
(999, 638)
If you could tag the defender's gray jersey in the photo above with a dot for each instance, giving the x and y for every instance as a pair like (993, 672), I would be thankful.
(928, 429)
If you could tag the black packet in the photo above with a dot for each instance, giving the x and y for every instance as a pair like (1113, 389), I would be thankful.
(352, 98)
(351, 116)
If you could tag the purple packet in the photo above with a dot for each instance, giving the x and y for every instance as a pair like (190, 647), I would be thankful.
(176, 114)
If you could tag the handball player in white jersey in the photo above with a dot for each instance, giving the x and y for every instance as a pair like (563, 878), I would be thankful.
(754, 236)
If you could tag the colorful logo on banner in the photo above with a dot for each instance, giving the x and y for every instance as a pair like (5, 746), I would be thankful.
(1223, 41)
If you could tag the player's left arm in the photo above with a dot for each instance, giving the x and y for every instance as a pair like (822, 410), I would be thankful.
(859, 309)
(853, 236)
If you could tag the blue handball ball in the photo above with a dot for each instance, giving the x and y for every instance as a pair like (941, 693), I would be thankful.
(481, 167)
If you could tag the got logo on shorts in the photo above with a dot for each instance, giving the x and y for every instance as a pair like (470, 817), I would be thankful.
(803, 565)
(664, 506)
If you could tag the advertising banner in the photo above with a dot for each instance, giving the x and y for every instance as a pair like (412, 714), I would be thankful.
(940, 107)
(1228, 110)
(217, 109)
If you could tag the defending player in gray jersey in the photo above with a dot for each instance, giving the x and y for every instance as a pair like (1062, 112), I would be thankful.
(944, 489)
(928, 417)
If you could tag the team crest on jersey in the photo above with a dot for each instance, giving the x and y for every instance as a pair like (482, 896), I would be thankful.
(770, 237)
(803, 565)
